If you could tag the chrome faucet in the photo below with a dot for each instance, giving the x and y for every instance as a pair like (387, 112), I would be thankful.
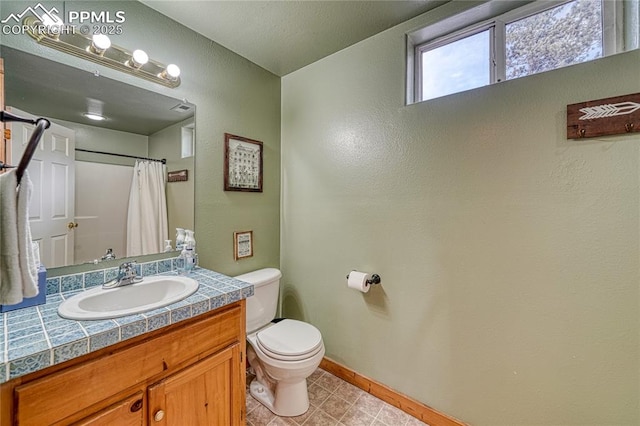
(109, 255)
(127, 275)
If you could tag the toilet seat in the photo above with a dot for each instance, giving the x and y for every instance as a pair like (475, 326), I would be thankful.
(290, 340)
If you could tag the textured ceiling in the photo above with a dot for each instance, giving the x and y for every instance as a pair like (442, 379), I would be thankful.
(283, 36)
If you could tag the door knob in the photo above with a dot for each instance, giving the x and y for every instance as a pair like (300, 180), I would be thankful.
(158, 416)
(72, 225)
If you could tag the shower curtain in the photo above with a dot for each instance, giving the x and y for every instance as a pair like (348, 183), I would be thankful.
(147, 216)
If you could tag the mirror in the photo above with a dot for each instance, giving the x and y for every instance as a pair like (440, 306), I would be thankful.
(139, 123)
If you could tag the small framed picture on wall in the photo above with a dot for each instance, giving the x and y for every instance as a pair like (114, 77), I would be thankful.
(242, 244)
(242, 164)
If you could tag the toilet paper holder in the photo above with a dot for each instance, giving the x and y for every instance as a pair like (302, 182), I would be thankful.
(375, 279)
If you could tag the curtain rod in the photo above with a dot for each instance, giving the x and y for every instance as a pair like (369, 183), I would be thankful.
(163, 161)
(41, 125)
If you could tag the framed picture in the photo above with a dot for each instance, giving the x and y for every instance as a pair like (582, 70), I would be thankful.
(178, 176)
(242, 244)
(242, 164)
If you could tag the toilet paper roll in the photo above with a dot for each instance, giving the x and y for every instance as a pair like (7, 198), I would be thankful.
(358, 281)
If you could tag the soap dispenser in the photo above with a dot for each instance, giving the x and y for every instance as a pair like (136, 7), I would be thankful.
(190, 240)
(180, 236)
(190, 243)
(186, 260)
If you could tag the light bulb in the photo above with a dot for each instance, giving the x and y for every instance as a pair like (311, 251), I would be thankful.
(100, 43)
(52, 21)
(172, 72)
(138, 58)
(54, 26)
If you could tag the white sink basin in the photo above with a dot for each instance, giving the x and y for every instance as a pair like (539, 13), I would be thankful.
(151, 293)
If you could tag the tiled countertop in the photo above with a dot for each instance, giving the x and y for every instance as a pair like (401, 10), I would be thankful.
(37, 337)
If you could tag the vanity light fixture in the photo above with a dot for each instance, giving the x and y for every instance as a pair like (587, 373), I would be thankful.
(99, 49)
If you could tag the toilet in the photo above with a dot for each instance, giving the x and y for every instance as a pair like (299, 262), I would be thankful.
(282, 353)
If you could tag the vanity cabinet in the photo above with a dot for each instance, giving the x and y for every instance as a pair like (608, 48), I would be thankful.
(199, 395)
(189, 373)
(127, 412)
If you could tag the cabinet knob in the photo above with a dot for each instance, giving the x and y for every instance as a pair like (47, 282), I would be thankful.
(158, 416)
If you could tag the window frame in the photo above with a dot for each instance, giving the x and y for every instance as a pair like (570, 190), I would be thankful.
(490, 16)
(448, 39)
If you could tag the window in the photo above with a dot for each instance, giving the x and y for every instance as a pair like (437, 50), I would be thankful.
(187, 139)
(541, 36)
(456, 66)
(564, 35)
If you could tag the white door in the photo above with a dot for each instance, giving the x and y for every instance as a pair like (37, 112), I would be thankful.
(52, 171)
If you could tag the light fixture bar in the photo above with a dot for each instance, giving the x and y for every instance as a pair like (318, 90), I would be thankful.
(115, 57)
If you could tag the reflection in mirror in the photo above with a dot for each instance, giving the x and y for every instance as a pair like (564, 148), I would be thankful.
(84, 170)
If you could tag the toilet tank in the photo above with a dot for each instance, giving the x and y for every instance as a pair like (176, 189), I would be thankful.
(262, 306)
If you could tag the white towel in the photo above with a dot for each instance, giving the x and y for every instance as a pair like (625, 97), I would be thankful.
(18, 279)
(28, 266)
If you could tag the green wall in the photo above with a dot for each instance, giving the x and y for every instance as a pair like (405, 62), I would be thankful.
(509, 255)
(167, 144)
(231, 94)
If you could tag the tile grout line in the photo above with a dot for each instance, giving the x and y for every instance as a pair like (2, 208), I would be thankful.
(46, 336)
(347, 410)
(351, 405)
(339, 421)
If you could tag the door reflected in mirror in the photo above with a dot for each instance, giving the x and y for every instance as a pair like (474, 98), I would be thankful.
(85, 206)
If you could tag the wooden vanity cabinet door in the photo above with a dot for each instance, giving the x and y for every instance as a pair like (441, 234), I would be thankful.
(128, 412)
(205, 393)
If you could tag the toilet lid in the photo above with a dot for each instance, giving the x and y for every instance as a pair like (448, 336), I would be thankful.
(290, 339)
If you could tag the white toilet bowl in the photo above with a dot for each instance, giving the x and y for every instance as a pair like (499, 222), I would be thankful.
(283, 355)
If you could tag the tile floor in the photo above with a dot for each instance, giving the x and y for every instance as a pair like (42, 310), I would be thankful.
(334, 402)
